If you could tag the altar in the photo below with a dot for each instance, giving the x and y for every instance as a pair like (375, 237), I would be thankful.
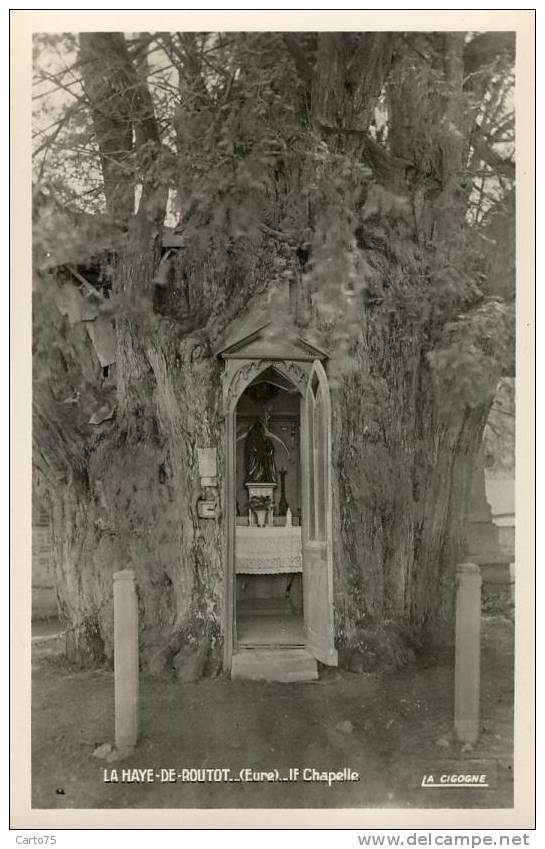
(268, 551)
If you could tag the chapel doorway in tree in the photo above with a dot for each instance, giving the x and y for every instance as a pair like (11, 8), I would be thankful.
(283, 373)
(268, 593)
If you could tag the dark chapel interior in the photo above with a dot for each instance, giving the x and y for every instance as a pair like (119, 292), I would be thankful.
(268, 562)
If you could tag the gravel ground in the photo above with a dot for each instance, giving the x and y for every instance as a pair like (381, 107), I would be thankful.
(391, 729)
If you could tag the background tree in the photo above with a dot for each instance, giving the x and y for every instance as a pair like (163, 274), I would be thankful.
(371, 176)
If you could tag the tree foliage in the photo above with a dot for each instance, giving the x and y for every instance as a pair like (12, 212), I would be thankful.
(261, 138)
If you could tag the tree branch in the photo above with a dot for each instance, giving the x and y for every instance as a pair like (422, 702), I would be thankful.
(289, 239)
(81, 279)
(121, 104)
(303, 66)
(377, 157)
(484, 151)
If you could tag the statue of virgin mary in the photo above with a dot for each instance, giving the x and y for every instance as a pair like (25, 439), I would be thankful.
(259, 456)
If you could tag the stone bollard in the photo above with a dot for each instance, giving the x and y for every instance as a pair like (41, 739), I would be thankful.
(125, 659)
(468, 650)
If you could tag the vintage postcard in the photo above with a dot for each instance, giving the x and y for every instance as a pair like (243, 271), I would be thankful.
(272, 419)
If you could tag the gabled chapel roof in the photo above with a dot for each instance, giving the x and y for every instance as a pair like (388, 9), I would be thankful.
(260, 335)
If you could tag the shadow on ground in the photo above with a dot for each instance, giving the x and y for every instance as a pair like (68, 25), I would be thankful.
(391, 729)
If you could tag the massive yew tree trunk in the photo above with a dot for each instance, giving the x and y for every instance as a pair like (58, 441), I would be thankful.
(284, 183)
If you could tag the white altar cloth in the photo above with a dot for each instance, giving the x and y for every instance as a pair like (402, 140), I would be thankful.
(267, 551)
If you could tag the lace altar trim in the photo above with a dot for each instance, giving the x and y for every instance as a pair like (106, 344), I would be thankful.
(268, 566)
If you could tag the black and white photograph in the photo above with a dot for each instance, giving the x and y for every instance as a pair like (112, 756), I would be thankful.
(274, 409)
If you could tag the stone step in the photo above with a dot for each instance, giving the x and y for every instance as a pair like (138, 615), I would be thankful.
(274, 664)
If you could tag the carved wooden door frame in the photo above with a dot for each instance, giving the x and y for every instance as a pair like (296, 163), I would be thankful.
(317, 531)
